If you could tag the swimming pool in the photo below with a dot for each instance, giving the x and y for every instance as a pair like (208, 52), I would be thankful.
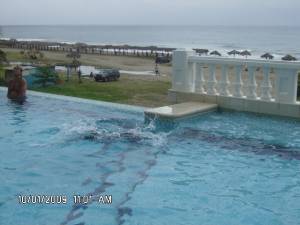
(220, 168)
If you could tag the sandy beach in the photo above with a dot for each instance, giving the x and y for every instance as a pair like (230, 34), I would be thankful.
(127, 63)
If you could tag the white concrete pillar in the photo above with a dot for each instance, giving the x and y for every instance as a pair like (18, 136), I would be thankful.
(183, 72)
(238, 83)
(266, 85)
(224, 83)
(211, 82)
(199, 80)
(286, 85)
(251, 83)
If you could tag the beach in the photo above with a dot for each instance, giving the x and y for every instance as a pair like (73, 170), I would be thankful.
(125, 63)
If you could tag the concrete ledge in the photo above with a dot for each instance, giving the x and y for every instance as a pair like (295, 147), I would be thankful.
(81, 100)
(240, 104)
(181, 110)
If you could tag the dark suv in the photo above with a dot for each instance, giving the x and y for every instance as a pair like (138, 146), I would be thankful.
(107, 75)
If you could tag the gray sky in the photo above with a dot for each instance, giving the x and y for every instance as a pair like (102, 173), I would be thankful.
(151, 12)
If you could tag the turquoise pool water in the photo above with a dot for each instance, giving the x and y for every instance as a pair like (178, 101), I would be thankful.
(221, 168)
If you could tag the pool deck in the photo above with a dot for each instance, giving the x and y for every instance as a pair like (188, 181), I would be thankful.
(181, 110)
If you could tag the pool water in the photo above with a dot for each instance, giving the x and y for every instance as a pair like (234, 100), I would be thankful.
(220, 168)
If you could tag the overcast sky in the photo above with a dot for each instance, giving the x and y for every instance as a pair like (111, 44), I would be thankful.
(151, 12)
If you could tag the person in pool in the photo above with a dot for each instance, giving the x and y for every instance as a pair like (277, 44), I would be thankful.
(17, 86)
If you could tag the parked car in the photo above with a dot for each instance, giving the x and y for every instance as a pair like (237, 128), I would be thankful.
(162, 59)
(107, 75)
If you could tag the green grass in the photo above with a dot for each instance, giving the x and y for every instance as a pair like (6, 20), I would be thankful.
(15, 56)
(126, 91)
(2, 79)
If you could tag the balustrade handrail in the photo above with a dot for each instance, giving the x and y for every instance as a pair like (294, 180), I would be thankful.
(245, 62)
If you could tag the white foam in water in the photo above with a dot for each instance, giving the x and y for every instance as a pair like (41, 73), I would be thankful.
(88, 128)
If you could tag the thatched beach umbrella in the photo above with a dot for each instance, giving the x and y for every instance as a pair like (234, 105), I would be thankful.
(267, 56)
(289, 58)
(234, 52)
(216, 53)
(201, 51)
(245, 53)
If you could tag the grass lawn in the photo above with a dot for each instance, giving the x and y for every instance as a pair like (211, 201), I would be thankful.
(150, 93)
(133, 90)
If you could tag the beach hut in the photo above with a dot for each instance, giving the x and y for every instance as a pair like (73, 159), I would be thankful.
(216, 53)
(289, 58)
(267, 56)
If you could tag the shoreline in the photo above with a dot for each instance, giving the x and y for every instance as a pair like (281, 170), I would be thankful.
(81, 47)
(140, 50)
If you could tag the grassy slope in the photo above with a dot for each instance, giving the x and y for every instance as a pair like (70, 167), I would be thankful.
(126, 91)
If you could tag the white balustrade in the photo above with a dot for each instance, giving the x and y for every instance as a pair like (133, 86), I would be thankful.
(188, 76)
(190, 82)
(211, 82)
(199, 80)
(224, 83)
(251, 83)
(286, 84)
(238, 83)
(266, 85)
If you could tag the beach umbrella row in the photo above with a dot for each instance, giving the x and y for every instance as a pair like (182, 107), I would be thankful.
(244, 53)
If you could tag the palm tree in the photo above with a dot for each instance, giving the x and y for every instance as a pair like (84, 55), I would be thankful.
(74, 55)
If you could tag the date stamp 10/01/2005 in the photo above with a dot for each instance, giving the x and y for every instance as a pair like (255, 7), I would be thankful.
(63, 199)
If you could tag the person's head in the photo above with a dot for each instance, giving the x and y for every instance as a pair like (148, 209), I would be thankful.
(18, 72)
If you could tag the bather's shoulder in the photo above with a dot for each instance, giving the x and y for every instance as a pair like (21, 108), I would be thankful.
(24, 81)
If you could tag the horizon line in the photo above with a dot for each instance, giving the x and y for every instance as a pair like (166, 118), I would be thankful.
(159, 25)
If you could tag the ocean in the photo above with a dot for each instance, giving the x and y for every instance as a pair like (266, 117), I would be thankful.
(278, 40)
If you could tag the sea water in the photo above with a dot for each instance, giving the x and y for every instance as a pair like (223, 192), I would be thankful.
(278, 40)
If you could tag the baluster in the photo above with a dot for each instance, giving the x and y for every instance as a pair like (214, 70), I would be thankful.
(190, 85)
(238, 82)
(224, 81)
(251, 86)
(266, 85)
(200, 81)
(211, 82)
